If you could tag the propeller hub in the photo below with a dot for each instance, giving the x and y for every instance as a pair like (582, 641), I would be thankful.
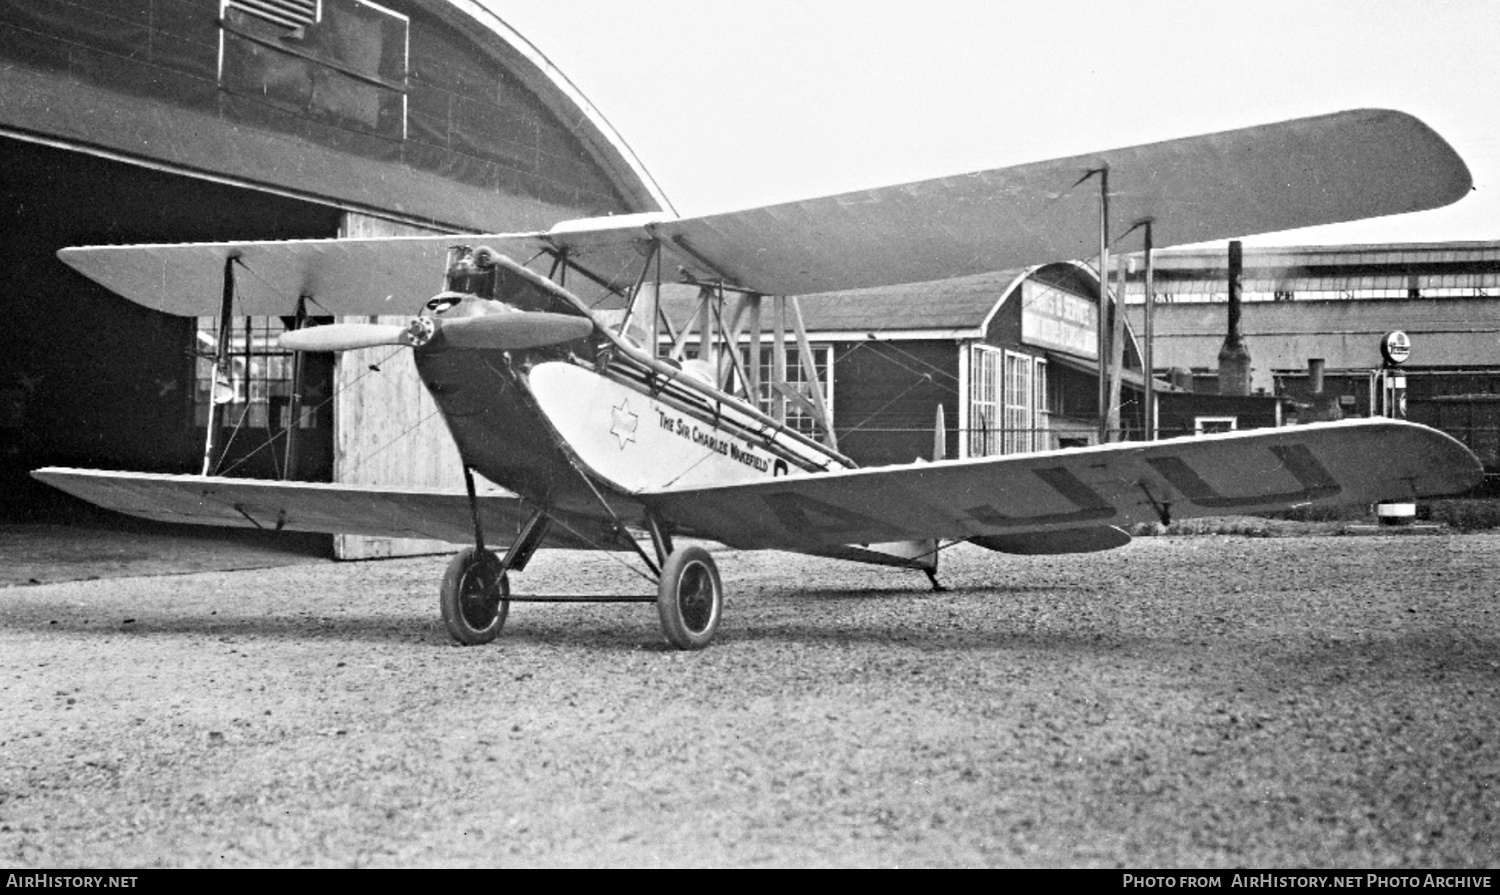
(419, 331)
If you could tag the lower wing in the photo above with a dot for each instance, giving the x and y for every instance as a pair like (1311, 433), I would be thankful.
(309, 506)
(1080, 499)
(1051, 502)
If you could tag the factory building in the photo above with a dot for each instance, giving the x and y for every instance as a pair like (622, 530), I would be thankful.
(1319, 314)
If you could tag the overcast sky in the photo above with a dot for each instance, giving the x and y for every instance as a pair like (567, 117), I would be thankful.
(736, 103)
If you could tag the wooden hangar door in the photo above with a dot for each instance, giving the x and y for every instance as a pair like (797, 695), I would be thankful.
(387, 429)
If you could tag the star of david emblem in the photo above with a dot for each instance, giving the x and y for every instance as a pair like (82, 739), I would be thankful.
(623, 423)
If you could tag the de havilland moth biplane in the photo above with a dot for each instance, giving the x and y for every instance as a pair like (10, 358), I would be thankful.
(610, 436)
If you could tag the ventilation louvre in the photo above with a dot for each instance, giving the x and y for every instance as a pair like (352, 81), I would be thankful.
(290, 13)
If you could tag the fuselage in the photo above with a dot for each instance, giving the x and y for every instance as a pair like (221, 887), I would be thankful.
(572, 426)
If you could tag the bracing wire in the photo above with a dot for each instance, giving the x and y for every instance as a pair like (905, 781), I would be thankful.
(273, 439)
(614, 555)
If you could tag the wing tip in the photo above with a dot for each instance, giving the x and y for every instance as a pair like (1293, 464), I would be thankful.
(1433, 155)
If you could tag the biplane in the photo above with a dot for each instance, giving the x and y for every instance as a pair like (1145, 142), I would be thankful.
(610, 434)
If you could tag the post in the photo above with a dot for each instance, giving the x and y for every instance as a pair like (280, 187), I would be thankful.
(778, 358)
(1395, 350)
(1101, 334)
(656, 311)
(294, 401)
(706, 351)
(810, 373)
(752, 369)
(1393, 378)
(1117, 352)
(221, 359)
(638, 298)
(1147, 361)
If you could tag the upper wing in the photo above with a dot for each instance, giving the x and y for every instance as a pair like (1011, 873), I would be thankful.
(303, 506)
(1323, 170)
(343, 277)
(1329, 169)
(1118, 485)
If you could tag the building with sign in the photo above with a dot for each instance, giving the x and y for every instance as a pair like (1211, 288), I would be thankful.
(1004, 362)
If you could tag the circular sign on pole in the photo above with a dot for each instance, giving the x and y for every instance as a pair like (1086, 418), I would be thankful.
(1395, 347)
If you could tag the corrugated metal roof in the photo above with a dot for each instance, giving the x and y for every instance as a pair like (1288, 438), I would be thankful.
(1398, 267)
(962, 304)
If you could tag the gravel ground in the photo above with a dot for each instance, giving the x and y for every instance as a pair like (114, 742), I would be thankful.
(1190, 701)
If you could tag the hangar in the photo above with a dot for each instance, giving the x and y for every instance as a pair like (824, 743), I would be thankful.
(208, 120)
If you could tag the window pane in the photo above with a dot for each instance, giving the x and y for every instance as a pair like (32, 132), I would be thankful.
(1018, 426)
(985, 401)
(255, 387)
(768, 399)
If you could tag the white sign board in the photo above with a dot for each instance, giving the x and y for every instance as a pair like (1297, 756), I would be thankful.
(1053, 318)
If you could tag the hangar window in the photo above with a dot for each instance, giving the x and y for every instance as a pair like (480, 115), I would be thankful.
(1018, 406)
(256, 386)
(1008, 396)
(984, 401)
(1208, 425)
(791, 404)
(800, 413)
(343, 62)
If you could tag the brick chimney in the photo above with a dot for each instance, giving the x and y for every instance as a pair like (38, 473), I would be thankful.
(1234, 357)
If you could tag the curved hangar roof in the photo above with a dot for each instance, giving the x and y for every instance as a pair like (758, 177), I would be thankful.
(431, 112)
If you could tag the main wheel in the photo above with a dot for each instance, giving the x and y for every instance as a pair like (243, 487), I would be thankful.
(473, 597)
(690, 598)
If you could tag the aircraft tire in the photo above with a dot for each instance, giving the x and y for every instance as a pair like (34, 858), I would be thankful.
(690, 598)
(473, 597)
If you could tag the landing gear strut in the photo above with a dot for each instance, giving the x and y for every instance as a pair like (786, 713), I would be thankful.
(475, 596)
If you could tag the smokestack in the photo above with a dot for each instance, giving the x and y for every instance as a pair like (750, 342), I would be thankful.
(1325, 407)
(1234, 357)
